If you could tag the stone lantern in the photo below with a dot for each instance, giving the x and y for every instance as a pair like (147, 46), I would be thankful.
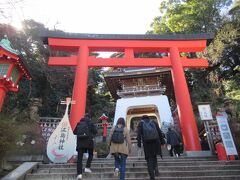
(104, 120)
(12, 69)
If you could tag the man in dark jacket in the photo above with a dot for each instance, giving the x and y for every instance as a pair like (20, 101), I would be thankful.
(85, 145)
(174, 140)
(151, 148)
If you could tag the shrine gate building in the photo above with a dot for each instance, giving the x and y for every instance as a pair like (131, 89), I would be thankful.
(81, 45)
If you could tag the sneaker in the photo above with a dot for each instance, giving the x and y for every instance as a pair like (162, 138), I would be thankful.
(87, 170)
(79, 177)
(116, 172)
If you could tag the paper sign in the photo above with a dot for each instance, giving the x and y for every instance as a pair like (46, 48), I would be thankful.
(205, 112)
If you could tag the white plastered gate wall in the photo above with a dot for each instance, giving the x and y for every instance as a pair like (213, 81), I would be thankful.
(160, 102)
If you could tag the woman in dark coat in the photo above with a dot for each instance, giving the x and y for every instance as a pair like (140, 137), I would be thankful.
(85, 145)
(151, 148)
(174, 140)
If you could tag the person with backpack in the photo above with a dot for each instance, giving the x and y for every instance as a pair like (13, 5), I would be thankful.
(151, 135)
(174, 140)
(85, 131)
(120, 147)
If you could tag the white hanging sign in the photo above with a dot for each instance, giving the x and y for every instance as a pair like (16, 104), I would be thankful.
(205, 112)
(62, 143)
(226, 133)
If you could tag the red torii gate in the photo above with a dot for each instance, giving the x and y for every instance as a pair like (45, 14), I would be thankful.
(83, 44)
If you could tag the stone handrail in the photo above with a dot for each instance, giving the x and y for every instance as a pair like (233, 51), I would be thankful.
(20, 172)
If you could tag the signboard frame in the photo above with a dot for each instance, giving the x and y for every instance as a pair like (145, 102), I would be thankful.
(205, 114)
(227, 139)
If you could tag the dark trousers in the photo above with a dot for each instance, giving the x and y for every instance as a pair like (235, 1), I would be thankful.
(152, 166)
(175, 149)
(80, 158)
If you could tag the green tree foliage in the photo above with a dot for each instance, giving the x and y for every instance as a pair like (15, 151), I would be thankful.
(50, 84)
(220, 80)
(35, 56)
(188, 16)
(99, 100)
(218, 84)
(235, 9)
(7, 135)
(224, 71)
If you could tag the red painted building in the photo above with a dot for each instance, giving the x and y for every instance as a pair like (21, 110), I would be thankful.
(12, 69)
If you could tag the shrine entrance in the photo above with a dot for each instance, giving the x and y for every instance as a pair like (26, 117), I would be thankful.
(81, 45)
(134, 116)
(135, 107)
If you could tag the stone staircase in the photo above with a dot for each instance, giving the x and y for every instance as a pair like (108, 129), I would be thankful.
(196, 168)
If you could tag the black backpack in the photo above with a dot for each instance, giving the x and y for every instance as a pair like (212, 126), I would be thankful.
(118, 136)
(150, 132)
(83, 130)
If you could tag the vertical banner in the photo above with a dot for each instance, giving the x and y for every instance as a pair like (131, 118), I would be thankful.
(226, 134)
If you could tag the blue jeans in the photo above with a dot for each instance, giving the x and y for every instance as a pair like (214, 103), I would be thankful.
(120, 163)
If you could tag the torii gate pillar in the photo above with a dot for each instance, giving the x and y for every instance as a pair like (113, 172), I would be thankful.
(80, 86)
(83, 44)
(184, 105)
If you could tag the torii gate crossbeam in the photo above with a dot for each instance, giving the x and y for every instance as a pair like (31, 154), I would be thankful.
(173, 45)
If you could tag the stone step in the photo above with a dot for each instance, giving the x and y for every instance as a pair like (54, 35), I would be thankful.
(227, 177)
(159, 160)
(141, 168)
(167, 158)
(139, 175)
(143, 163)
(194, 168)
